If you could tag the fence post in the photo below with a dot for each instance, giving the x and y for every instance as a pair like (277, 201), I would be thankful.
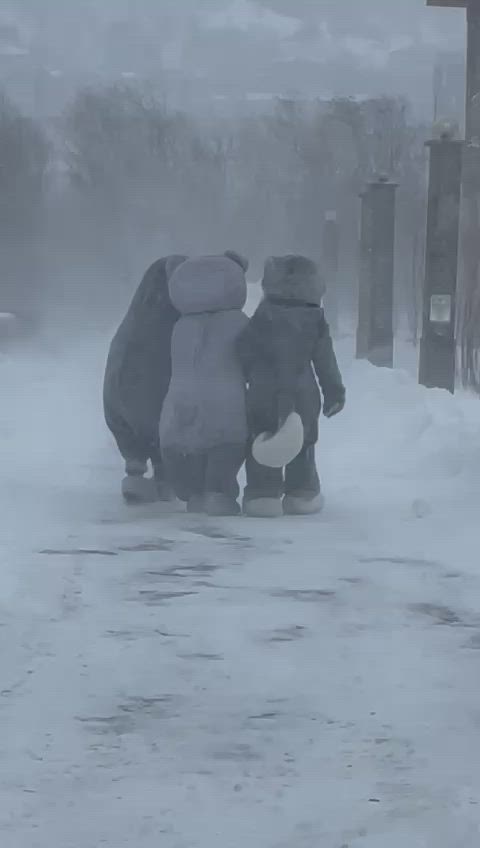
(438, 346)
(377, 242)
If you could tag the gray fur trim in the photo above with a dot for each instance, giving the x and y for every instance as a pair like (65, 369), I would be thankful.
(293, 277)
(240, 260)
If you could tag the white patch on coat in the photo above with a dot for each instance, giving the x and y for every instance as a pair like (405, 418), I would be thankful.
(275, 450)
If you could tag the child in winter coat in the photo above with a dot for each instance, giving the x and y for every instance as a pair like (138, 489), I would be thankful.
(203, 427)
(286, 341)
(136, 381)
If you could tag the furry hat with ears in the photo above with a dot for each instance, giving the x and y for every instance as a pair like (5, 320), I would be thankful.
(240, 260)
(293, 277)
(208, 284)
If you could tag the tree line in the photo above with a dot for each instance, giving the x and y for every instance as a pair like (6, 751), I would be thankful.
(87, 201)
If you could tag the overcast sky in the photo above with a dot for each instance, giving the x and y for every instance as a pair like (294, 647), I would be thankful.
(373, 19)
(250, 43)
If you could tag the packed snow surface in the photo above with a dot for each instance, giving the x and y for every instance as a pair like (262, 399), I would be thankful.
(178, 682)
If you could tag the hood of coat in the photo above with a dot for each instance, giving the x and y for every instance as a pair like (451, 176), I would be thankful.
(293, 278)
(209, 284)
(288, 315)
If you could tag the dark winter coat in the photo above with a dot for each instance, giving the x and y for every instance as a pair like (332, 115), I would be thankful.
(138, 367)
(285, 344)
(205, 405)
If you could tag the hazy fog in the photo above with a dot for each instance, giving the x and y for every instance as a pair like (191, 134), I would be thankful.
(123, 121)
(237, 47)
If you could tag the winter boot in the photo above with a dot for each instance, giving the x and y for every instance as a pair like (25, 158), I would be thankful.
(165, 492)
(301, 505)
(263, 508)
(139, 490)
(219, 505)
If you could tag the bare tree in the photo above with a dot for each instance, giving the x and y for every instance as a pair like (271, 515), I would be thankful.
(144, 180)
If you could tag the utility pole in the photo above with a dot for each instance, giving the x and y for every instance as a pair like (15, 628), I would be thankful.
(469, 265)
(377, 241)
(438, 345)
(330, 264)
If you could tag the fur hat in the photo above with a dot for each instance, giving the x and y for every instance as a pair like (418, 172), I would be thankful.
(293, 277)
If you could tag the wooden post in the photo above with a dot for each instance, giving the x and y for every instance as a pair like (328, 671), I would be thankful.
(472, 108)
(469, 260)
(377, 238)
(438, 346)
(469, 330)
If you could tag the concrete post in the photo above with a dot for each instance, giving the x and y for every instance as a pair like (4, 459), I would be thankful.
(438, 346)
(330, 265)
(377, 239)
(472, 108)
(470, 215)
(469, 265)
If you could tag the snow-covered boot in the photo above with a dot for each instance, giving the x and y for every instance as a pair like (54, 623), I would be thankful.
(301, 505)
(263, 508)
(165, 492)
(137, 489)
(219, 505)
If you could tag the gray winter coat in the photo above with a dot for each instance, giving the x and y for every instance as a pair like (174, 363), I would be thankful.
(205, 404)
(285, 345)
(138, 367)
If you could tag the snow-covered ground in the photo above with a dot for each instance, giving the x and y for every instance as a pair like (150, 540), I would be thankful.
(174, 682)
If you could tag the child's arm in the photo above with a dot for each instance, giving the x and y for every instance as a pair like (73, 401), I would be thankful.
(328, 372)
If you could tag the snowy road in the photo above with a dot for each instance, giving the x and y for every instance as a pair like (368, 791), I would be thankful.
(186, 683)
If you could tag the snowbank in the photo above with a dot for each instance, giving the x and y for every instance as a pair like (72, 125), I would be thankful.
(395, 440)
(191, 684)
(395, 428)
(399, 452)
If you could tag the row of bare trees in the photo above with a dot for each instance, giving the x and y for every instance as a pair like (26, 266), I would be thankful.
(141, 179)
(124, 179)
